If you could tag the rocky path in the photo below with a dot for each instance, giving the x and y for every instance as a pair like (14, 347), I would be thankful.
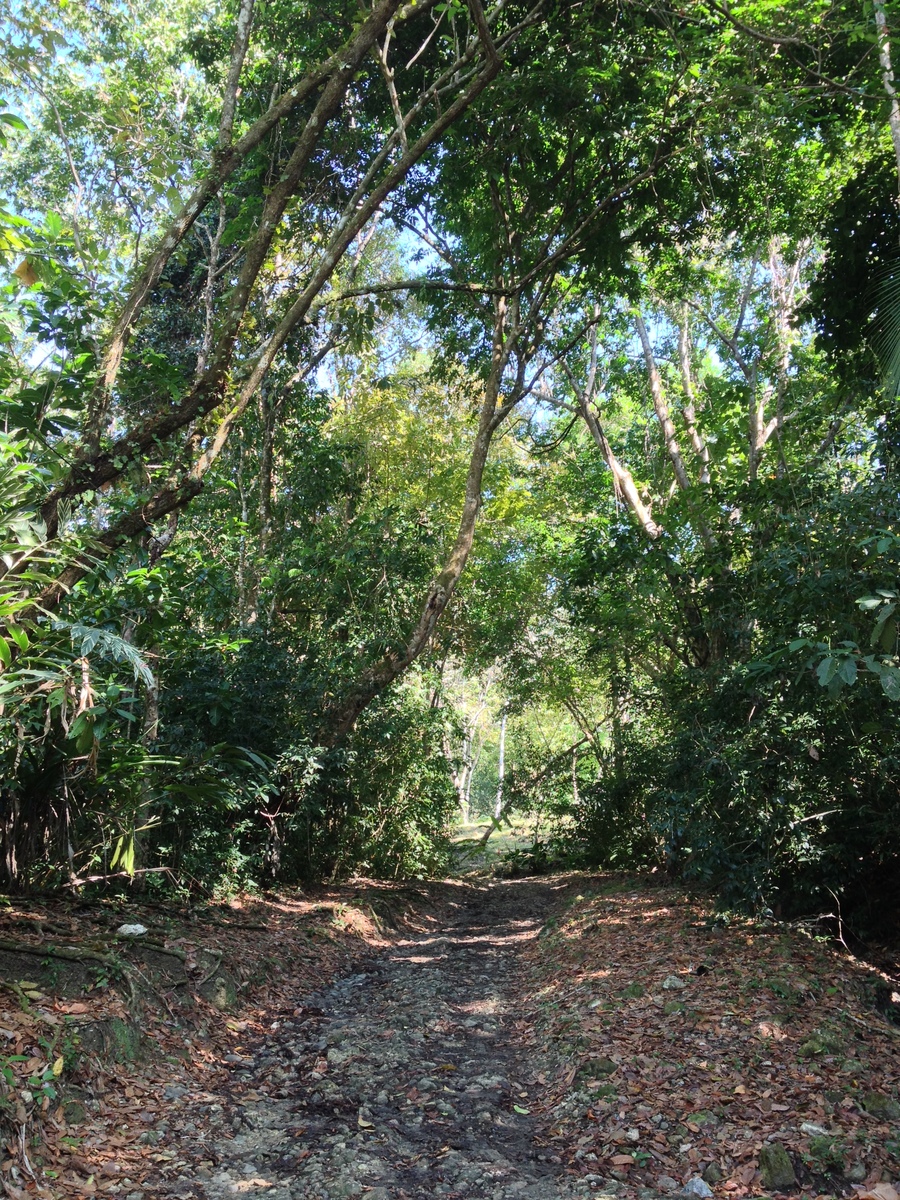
(399, 1081)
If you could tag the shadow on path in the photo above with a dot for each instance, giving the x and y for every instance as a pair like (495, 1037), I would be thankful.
(400, 1080)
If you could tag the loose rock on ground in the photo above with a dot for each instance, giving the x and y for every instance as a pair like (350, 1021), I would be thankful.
(400, 1080)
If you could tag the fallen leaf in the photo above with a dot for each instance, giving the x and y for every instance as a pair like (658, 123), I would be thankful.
(879, 1191)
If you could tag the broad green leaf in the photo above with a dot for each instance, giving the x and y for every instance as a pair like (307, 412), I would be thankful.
(18, 635)
(848, 671)
(124, 854)
(828, 669)
(890, 681)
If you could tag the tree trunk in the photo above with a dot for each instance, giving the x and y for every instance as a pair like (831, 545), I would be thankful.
(887, 76)
(501, 770)
(689, 409)
(149, 734)
(661, 407)
(670, 439)
(95, 465)
(374, 679)
(623, 480)
(692, 618)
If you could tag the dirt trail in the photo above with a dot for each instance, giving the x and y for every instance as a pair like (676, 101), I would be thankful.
(399, 1080)
(642, 1047)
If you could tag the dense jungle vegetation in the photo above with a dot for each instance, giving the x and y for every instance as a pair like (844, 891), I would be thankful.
(414, 408)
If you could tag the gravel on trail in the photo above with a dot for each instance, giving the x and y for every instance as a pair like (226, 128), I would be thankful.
(401, 1080)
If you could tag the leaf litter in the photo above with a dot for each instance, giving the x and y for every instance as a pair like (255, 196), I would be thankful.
(642, 1084)
(86, 1083)
(685, 1044)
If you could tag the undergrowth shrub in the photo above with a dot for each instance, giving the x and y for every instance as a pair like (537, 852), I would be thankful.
(769, 792)
(379, 805)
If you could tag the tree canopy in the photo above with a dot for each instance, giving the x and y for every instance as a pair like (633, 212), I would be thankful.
(422, 407)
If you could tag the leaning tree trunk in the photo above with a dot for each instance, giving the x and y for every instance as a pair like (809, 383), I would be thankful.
(382, 674)
(342, 717)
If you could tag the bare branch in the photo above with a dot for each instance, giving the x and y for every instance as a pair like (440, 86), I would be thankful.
(623, 480)
(484, 32)
(567, 247)
(224, 166)
(351, 223)
(746, 293)
(381, 55)
(661, 407)
(403, 285)
(92, 471)
(689, 409)
(727, 340)
(781, 39)
(238, 54)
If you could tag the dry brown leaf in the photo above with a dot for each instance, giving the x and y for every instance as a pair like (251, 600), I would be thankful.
(26, 274)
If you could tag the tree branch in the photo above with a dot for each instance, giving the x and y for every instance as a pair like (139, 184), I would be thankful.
(238, 54)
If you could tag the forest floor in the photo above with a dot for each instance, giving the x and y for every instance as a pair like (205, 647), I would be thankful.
(542, 1039)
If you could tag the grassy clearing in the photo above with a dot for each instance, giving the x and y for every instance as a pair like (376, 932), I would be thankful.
(471, 857)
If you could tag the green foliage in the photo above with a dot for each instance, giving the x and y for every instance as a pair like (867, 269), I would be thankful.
(386, 800)
(826, 1153)
(696, 667)
(540, 858)
(853, 298)
(769, 775)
